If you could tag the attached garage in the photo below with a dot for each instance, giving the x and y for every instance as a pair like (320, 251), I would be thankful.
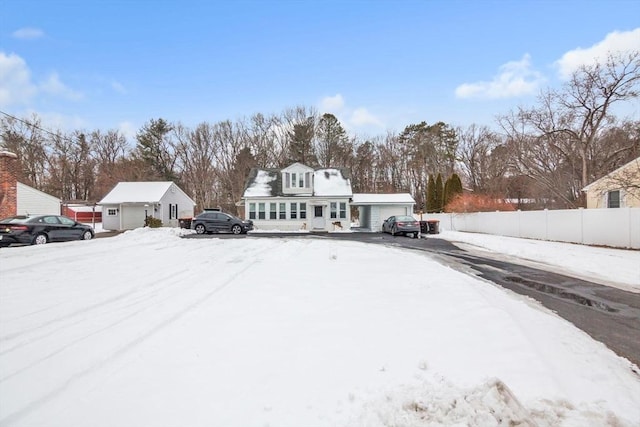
(373, 209)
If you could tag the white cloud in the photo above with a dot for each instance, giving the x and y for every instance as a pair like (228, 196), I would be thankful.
(118, 87)
(332, 104)
(28, 33)
(516, 78)
(362, 117)
(54, 86)
(615, 42)
(15, 81)
(353, 119)
(128, 130)
(54, 121)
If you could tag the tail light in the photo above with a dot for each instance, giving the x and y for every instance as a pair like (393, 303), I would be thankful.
(18, 227)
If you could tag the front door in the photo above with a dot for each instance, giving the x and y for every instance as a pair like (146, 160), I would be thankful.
(318, 217)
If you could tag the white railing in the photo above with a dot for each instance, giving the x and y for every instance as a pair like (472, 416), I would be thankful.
(619, 228)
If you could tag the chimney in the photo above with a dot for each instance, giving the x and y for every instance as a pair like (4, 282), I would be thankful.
(8, 184)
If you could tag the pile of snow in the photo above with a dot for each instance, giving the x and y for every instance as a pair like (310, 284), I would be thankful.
(147, 328)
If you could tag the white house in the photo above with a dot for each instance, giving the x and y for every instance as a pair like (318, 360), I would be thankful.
(298, 198)
(35, 202)
(373, 209)
(129, 203)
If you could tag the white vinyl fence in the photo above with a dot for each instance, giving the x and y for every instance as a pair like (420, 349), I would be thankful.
(618, 228)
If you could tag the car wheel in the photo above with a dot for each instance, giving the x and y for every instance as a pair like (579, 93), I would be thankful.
(236, 229)
(393, 231)
(40, 239)
(200, 229)
(87, 235)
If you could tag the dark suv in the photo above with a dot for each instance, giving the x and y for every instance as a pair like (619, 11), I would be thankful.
(219, 222)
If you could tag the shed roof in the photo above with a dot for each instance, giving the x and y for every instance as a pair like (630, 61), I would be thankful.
(137, 192)
(383, 199)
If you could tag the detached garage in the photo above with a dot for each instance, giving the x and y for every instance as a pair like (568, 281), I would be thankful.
(129, 204)
(373, 209)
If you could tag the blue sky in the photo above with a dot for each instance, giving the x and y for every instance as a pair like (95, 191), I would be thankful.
(377, 65)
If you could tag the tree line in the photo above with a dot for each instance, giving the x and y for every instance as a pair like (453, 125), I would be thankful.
(539, 156)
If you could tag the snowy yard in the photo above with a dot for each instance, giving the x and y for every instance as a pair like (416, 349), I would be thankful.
(147, 329)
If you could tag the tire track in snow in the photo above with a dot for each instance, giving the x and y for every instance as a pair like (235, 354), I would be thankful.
(125, 348)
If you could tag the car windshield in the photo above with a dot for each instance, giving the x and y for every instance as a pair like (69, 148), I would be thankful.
(404, 218)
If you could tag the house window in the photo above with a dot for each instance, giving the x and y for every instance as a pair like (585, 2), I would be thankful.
(613, 199)
(173, 211)
(301, 180)
(273, 213)
(334, 210)
(303, 211)
(287, 182)
(294, 210)
(343, 210)
(252, 211)
(283, 211)
(261, 212)
(112, 212)
(293, 180)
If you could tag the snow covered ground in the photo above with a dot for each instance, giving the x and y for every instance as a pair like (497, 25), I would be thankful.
(614, 267)
(148, 329)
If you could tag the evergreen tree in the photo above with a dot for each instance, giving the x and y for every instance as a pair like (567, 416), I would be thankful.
(431, 194)
(452, 188)
(439, 194)
(156, 151)
(301, 147)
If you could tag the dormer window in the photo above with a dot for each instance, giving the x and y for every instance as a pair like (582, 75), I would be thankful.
(297, 180)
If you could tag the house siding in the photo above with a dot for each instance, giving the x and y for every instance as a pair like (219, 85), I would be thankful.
(35, 202)
(309, 223)
(597, 191)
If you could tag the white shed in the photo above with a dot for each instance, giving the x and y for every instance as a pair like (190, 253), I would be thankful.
(129, 203)
(35, 202)
(373, 209)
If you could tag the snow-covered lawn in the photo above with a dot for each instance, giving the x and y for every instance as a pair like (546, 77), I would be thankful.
(148, 329)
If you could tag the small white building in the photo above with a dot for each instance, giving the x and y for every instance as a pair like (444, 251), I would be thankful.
(298, 198)
(35, 202)
(129, 203)
(373, 209)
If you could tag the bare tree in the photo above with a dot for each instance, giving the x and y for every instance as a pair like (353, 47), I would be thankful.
(559, 139)
(28, 141)
(109, 152)
(483, 159)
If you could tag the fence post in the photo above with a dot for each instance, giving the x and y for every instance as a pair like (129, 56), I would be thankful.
(581, 210)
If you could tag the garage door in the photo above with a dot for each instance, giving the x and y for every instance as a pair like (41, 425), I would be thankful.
(132, 217)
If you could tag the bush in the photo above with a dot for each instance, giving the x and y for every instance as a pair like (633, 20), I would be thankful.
(152, 222)
(477, 203)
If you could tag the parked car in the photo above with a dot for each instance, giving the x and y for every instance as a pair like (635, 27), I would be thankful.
(219, 222)
(405, 224)
(41, 229)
